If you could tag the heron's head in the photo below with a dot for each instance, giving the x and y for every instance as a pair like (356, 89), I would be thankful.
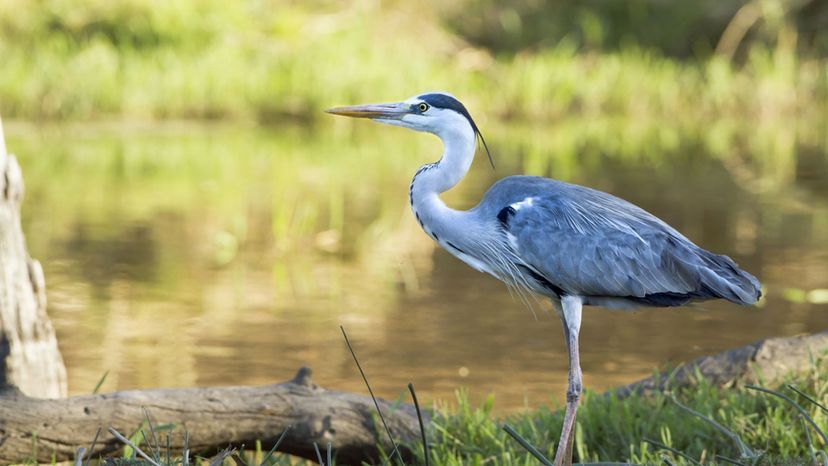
(439, 113)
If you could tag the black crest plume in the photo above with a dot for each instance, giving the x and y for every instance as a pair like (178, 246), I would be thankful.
(438, 100)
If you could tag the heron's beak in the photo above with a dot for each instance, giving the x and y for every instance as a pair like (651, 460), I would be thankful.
(393, 111)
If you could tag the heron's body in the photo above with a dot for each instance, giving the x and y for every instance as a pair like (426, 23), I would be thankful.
(576, 245)
(558, 239)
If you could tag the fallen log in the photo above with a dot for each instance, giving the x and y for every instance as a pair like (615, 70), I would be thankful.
(767, 361)
(214, 418)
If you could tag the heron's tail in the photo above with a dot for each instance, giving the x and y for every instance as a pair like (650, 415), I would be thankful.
(722, 278)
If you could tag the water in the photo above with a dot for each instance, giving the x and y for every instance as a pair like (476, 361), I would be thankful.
(183, 255)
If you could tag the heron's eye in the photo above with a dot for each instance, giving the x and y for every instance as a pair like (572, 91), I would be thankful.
(422, 107)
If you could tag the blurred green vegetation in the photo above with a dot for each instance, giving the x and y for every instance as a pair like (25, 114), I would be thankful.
(673, 28)
(267, 60)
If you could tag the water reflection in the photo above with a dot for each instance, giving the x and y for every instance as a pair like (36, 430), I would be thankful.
(195, 255)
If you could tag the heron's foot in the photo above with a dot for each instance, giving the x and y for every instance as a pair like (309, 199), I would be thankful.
(564, 460)
(563, 455)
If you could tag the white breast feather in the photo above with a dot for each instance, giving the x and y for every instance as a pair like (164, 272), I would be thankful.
(476, 264)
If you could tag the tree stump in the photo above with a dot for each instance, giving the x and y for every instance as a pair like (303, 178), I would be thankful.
(29, 356)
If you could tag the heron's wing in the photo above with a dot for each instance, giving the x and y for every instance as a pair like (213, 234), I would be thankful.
(590, 243)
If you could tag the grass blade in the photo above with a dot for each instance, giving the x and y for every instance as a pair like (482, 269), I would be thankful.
(92, 448)
(811, 448)
(371, 392)
(526, 445)
(275, 446)
(803, 395)
(330, 454)
(147, 442)
(218, 460)
(238, 458)
(157, 448)
(34, 447)
(673, 451)
(420, 420)
(100, 382)
(185, 457)
(744, 450)
(729, 460)
(318, 454)
(604, 463)
(79, 456)
(132, 445)
(793, 403)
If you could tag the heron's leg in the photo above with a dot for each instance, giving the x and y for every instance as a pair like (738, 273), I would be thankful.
(570, 313)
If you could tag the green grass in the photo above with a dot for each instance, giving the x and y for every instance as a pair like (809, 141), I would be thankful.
(628, 430)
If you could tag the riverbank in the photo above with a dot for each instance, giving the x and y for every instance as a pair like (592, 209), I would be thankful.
(760, 404)
(718, 408)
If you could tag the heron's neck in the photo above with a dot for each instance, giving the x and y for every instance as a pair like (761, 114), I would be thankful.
(435, 178)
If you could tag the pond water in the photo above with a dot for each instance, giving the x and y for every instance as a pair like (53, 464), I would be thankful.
(190, 254)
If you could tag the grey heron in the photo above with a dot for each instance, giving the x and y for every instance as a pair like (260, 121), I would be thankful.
(576, 245)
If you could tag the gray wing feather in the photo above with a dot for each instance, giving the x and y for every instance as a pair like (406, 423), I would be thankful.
(591, 243)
